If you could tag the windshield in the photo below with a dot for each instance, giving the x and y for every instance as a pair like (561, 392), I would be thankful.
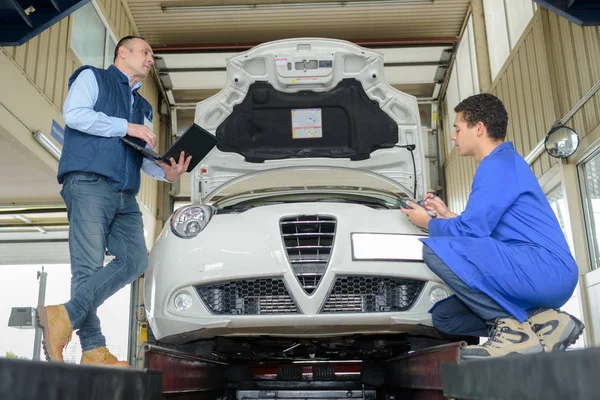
(369, 198)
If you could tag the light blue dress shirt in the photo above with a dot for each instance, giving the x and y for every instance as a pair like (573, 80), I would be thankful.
(79, 114)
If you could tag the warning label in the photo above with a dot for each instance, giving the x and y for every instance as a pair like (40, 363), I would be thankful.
(307, 123)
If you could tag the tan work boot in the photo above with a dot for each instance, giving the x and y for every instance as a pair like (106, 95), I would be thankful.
(101, 356)
(507, 336)
(57, 330)
(556, 329)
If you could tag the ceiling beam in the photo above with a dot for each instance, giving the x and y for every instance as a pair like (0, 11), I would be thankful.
(444, 40)
(35, 225)
(36, 210)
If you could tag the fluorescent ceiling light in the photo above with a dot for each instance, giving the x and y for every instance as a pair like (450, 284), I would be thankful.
(287, 6)
(47, 144)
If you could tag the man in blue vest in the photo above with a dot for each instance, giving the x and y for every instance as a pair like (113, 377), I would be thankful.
(100, 177)
(505, 257)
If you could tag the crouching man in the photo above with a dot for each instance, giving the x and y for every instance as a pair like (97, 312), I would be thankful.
(505, 257)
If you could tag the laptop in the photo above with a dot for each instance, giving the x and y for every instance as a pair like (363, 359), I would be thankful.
(195, 141)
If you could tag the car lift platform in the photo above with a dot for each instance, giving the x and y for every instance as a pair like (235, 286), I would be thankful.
(430, 374)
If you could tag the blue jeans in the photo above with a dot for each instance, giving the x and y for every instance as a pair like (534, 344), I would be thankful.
(466, 313)
(100, 218)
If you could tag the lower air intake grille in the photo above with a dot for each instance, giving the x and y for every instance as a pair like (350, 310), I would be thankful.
(248, 297)
(308, 241)
(367, 294)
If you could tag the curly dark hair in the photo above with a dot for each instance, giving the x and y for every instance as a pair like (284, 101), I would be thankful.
(488, 109)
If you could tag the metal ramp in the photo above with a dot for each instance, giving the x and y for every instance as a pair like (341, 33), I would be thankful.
(24, 380)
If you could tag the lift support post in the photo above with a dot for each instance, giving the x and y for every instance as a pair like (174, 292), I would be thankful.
(418, 375)
(184, 373)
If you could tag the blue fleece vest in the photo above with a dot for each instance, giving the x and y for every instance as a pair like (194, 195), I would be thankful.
(109, 157)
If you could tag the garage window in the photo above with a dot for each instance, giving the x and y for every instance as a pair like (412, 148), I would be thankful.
(589, 175)
(91, 39)
(505, 21)
(559, 206)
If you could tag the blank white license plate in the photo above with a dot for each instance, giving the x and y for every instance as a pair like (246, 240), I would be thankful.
(387, 247)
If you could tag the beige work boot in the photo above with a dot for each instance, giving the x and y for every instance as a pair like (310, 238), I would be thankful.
(102, 357)
(56, 329)
(556, 329)
(507, 336)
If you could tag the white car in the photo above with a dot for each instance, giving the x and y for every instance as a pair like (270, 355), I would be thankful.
(294, 245)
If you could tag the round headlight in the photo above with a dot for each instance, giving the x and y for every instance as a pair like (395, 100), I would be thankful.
(189, 221)
(193, 228)
(437, 293)
(183, 301)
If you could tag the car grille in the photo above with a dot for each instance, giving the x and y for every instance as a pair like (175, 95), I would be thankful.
(248, 297)
(308, 241)
(366, 294)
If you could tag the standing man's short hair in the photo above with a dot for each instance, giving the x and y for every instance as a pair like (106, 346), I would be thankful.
(488, 109)
(123, 43)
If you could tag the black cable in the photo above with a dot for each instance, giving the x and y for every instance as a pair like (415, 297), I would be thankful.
(411, 148)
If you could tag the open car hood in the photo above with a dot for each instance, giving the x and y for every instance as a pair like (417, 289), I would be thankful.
(309, 103)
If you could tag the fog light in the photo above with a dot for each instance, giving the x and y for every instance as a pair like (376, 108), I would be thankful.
(183, 301)
(437, 293)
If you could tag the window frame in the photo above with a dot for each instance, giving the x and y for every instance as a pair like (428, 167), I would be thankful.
(588, 219)
(109, 35)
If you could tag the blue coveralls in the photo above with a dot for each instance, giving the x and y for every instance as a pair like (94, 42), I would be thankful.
(506, 247)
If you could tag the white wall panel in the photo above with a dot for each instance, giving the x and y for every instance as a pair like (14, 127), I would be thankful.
(495, 27)
(464, 72)
(518, 15)
(452, 100)
(473, 54)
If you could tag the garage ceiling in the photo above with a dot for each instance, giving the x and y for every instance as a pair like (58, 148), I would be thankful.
(234, 22)
(192, 39)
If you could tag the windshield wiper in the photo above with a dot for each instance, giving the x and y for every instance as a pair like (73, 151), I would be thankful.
(356, 201)
(241, 207)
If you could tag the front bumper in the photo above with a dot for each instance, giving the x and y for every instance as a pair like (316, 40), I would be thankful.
(248, 247)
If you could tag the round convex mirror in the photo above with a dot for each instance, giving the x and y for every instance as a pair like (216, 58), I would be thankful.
(561, 141)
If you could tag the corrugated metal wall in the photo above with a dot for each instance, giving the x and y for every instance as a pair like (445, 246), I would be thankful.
(525, 87)
(574, 55)
(48, 62)
(554, 64)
